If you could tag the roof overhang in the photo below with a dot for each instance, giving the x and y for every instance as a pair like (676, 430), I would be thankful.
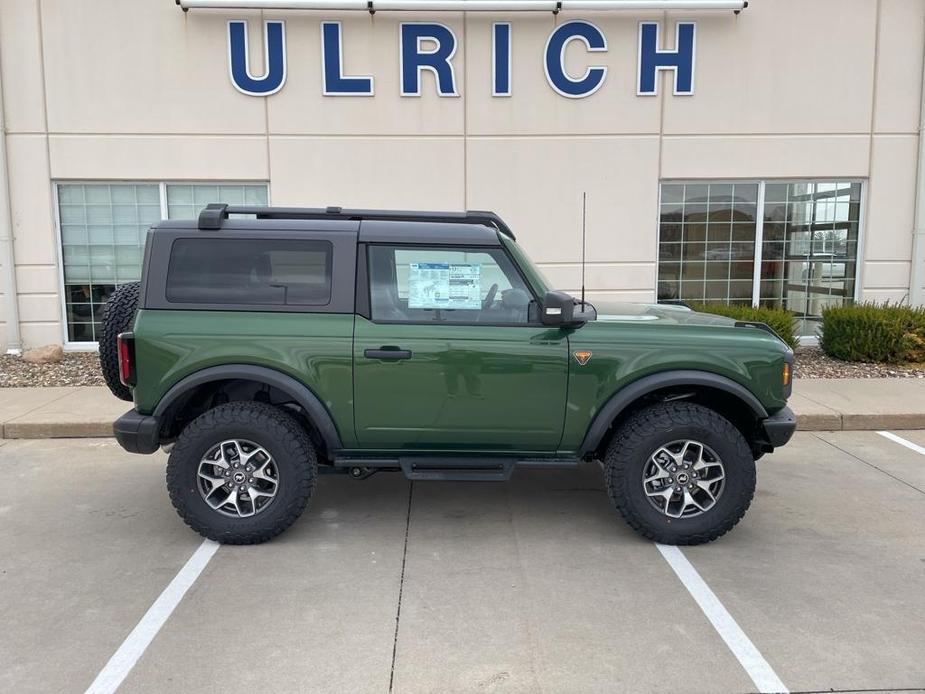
(466, 5)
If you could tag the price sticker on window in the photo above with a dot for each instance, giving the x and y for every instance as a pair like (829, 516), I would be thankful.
(445, 286)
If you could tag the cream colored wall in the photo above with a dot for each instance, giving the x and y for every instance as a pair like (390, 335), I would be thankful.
(138, 90)
(891, 193)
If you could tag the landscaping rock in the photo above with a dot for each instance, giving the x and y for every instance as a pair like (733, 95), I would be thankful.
(812, 362)
(76, 369)
(49, 354)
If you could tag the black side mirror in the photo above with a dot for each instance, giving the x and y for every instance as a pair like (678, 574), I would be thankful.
(561, 309)
(557, 308)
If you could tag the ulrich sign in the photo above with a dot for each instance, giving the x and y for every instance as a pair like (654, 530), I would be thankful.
(431, 46)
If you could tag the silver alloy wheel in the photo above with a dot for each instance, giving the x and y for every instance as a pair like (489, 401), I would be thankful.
(237, 478)
(683, 479)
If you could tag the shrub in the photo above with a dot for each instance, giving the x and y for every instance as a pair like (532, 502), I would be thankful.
(781, 321)
(887, 333)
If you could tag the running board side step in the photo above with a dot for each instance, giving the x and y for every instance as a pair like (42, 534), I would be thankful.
(458, 469)
(451, 469)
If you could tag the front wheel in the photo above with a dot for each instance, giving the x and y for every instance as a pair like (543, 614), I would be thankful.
(680, 473)
(242, 473)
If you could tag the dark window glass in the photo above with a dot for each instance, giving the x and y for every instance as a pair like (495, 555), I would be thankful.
(252, 272)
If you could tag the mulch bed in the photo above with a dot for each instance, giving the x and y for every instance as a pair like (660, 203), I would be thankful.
(83, 369)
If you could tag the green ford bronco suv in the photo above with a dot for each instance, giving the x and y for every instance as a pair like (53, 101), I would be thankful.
(264, 346)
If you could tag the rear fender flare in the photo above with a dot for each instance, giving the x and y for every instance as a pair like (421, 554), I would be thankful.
(299, 392)
(628, 394)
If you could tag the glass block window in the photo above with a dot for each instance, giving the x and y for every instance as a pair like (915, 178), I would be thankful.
(186, 201)
(103, 228)
(799, 253)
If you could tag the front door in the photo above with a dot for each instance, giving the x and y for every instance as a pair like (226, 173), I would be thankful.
(453, 356)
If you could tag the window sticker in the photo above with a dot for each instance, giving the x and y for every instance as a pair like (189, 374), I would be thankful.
(445, 285)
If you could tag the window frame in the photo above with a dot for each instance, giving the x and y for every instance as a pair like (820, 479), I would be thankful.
(364, 284)
(79, 346)
(762, 184)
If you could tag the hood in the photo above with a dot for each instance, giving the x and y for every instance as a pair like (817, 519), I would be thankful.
(610, 312)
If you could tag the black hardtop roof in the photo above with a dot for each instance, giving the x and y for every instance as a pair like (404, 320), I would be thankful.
(374, 224)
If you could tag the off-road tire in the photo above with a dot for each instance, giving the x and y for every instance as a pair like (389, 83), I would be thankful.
(283, 437)
(118, 317)
(641, 435)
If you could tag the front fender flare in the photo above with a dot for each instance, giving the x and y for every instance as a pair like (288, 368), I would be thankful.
(298, 391)
(628, 394)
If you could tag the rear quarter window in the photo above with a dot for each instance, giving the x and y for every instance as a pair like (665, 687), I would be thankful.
(263, 272)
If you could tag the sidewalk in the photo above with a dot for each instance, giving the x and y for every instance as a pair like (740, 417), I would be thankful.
(820, 405)
(48, 413)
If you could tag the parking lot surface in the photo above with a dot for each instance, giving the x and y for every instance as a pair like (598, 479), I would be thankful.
(534, 585)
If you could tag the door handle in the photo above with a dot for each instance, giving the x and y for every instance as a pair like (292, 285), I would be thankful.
(388, 354)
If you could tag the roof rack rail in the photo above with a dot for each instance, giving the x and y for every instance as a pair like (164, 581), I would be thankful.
(212, 217)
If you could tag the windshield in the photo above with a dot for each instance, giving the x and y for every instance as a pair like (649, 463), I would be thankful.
(533, 274)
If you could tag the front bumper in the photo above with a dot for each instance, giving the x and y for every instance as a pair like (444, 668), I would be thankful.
(137, 433)
(779, 428)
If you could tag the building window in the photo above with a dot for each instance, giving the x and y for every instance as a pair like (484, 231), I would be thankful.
(184, 201)
(102, 235)
(799, 253)
(103, 227)
(707, 242)
(810, 248)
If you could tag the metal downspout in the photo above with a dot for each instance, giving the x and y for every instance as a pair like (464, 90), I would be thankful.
(7, 261)
(917, 276)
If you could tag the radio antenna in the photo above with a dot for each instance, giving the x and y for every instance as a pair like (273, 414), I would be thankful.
(584, 215)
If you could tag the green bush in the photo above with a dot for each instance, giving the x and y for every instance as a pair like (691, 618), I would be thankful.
(781, 321)
(887, 333)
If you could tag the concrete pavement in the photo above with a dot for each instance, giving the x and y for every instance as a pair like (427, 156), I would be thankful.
(820, 405)
(527, 586)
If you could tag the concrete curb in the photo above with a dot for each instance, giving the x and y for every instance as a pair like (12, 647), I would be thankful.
(61, 430)
(859, 422)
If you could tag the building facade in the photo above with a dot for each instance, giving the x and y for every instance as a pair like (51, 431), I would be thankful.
(768, 156)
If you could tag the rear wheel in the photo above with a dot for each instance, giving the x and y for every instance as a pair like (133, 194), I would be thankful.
(680, 473)
(118, 317)
(242, 473)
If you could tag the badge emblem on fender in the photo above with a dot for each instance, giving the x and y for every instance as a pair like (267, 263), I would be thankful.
(582, 356)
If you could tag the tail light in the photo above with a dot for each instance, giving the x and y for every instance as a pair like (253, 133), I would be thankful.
(125, 344)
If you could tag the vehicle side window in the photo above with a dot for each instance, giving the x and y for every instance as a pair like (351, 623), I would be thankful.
(447, 284)
(254, 272)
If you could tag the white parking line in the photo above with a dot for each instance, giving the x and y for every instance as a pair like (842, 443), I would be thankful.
(124, 659)
(764, 677)
(902, 442)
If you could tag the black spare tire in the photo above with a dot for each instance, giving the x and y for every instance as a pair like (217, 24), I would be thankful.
(118, 316)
